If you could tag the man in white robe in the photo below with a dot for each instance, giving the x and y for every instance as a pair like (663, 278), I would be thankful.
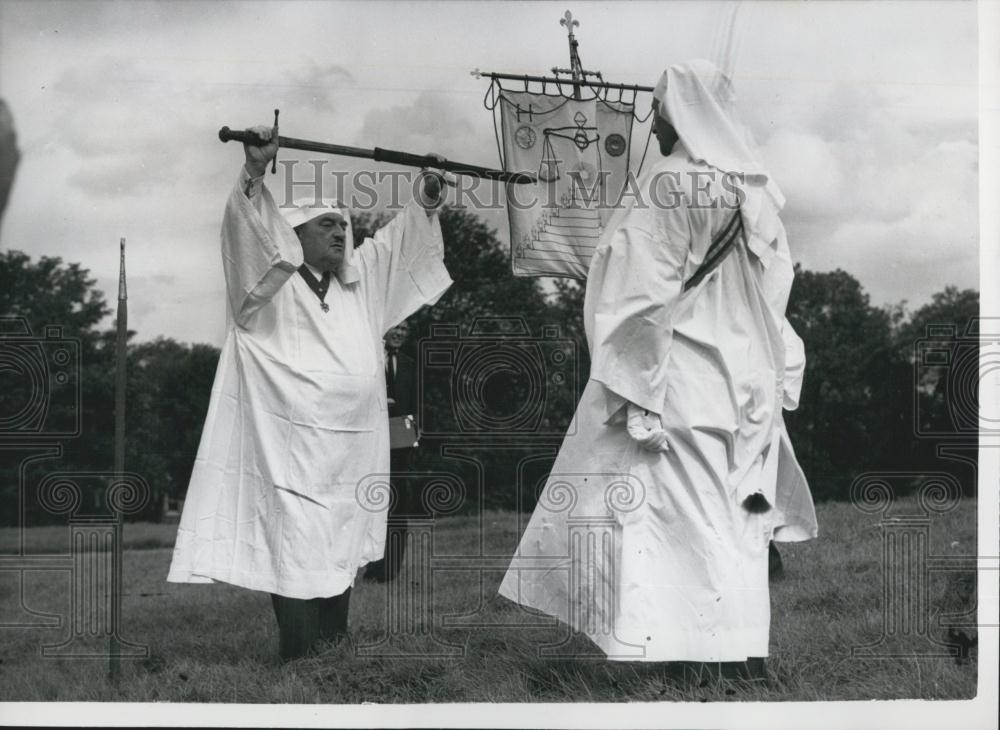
(651, 534)
(298, 416)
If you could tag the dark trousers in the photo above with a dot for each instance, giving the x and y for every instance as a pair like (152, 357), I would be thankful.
(302, 623)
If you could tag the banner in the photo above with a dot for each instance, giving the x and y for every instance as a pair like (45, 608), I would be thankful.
(580, 152)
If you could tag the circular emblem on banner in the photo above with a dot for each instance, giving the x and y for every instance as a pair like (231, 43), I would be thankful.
(615, 145)
(525, 137)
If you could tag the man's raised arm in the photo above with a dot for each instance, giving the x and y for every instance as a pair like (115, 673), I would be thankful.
(260, 251)
(404, 261)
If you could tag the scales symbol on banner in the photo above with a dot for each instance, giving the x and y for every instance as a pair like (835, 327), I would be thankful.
(580, 135)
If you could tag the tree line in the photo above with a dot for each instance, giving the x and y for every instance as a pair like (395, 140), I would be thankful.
(886, 389)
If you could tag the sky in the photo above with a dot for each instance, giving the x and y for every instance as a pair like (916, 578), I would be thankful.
(865, 113)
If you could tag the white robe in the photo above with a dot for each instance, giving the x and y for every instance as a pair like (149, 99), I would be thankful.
(298, 413)
(652, 555)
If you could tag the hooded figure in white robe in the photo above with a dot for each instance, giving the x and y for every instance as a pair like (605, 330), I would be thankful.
(298, 414)
(651, 533)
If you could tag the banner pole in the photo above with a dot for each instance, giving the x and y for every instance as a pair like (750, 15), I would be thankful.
(121, 357)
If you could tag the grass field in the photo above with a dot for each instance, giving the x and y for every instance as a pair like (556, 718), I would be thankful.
(217, 643)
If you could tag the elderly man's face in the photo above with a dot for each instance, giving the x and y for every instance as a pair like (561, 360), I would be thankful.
(395, 337)
(665, 133)
(323, 241)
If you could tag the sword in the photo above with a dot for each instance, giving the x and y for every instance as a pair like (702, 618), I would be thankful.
(383, 155)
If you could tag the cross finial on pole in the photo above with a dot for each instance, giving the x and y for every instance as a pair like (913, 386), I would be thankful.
(575, 67)
(569, 22)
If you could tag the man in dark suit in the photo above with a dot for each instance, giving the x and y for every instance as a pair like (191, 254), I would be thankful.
(401, 388)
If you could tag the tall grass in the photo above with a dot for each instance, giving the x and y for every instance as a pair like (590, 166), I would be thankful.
(218, 643)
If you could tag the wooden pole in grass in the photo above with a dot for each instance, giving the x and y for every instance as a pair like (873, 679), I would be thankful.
(114, 661)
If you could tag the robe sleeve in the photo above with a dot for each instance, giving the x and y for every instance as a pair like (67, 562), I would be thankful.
(777, 282)
(403, 266)
(633, 286)
(260, 251)
(795, 366)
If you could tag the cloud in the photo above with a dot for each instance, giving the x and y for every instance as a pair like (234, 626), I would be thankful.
(906, 230)
(887, 192)
(809, 171)
(310, 84)
(126, 121)
(433, 122)
(879, 181)
(128, 136)
(866, 115)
